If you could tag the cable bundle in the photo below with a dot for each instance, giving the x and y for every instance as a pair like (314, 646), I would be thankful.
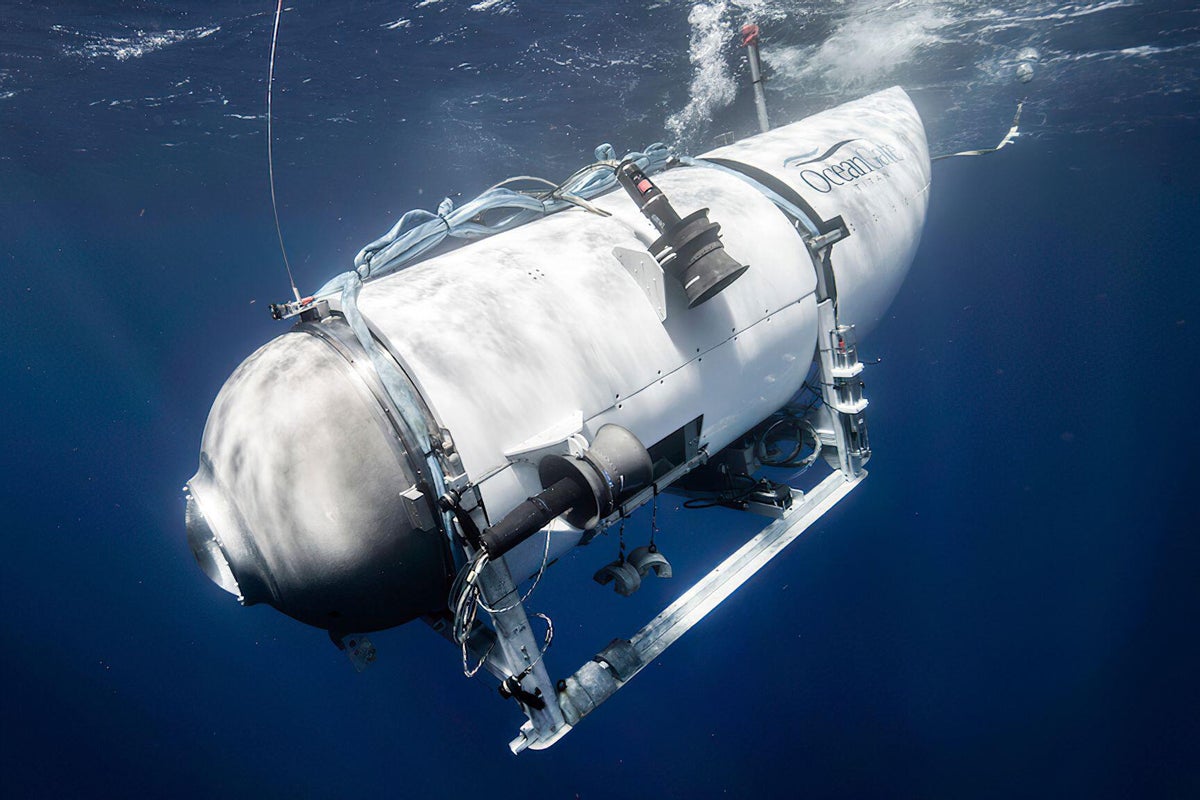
(497, 209)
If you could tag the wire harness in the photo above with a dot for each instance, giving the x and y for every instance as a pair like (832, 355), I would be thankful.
(498, 209)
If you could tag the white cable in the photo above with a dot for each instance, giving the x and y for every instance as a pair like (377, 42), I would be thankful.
(536, 578)
(271, 152)
(1008, 139)
(467, 601)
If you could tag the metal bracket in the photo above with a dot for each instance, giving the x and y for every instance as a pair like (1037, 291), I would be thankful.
(358, 649)
(648, 274)
(419, 509)
(555, 439)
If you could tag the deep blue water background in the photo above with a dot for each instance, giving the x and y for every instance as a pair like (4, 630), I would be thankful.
(1009, 604)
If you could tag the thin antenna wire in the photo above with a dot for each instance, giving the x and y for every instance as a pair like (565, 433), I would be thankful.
(271, 153)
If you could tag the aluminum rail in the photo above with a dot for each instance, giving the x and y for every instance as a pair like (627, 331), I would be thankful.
(679, 617)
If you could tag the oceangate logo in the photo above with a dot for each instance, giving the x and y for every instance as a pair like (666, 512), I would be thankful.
(868, 158)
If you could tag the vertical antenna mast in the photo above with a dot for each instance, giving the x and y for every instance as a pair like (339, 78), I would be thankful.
(750, 42)
(271, 153)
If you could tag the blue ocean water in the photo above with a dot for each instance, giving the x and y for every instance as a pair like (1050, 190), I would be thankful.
(1006, 607)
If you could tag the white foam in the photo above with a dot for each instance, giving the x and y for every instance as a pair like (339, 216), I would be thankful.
(1032, 13)
(874, 39)
(400, 23)
(136, 45)
(712, 84)
(1140, 51)
(760, 11)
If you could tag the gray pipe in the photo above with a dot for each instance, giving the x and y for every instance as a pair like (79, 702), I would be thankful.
(750, 42)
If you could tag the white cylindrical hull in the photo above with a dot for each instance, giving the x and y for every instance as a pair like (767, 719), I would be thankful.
(511, 339)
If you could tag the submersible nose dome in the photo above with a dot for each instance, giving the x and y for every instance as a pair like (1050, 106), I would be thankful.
(298, 499)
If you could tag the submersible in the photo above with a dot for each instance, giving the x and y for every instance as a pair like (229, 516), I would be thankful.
(420, 443)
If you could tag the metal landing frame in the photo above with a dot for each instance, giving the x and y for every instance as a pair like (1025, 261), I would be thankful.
(553, 709)
(600, 678)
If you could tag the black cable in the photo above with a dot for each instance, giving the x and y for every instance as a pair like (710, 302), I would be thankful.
(725, 496)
